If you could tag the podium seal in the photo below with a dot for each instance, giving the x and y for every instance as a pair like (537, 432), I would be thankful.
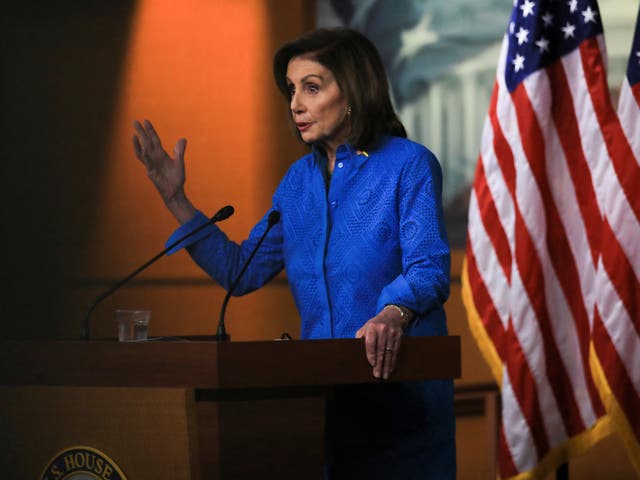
(81, 463)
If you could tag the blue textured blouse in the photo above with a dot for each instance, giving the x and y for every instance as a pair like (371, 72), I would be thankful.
(370, 235)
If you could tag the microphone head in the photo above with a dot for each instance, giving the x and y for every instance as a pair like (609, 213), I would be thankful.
(223, 214)
(274, 217)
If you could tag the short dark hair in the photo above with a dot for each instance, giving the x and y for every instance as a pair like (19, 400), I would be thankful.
(358, 69)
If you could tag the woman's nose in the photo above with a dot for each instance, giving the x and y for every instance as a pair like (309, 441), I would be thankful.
(295, 103)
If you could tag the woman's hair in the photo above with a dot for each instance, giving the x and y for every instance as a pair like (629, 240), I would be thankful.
(358, 69)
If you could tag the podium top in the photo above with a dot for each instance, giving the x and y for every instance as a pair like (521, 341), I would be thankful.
(213, 365)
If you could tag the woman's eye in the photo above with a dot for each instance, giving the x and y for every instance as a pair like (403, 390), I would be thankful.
(311, 88)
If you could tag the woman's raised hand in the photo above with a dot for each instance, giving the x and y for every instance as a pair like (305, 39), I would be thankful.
(166, 173)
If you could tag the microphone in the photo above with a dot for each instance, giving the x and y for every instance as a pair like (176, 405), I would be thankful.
(221, 333)
(222, 214)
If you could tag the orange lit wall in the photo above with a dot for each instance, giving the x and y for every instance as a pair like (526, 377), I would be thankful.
(198, 70)
(201, 70)
(74, 78)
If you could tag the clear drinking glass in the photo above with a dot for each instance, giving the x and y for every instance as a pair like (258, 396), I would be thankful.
(133, 325)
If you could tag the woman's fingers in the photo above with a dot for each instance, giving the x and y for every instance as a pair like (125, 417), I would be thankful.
(148, 147)
(154, 138)
(370, 345)
(148, 140)
(178, 150)
(143, 137)
(390, 357)
(382, 342)
(386, 355)
(137, 148)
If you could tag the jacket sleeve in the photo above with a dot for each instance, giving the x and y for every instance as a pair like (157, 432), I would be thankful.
(423, 284)
(222, 259)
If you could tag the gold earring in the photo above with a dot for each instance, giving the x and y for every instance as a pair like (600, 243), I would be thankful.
(349, 111)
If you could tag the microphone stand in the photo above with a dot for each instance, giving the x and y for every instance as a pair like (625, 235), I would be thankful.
(221, 333)
(222, 214)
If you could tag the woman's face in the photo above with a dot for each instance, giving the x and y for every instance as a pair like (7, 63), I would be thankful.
(318, 106)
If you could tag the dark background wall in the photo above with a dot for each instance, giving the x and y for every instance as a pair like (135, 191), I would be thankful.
(60, 65)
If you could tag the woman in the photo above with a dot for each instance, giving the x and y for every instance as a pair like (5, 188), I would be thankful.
(363, 241)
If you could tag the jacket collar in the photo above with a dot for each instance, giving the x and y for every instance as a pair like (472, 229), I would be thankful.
(345, 153)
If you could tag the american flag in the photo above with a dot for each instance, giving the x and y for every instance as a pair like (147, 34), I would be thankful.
(616, 328)
(553, 151)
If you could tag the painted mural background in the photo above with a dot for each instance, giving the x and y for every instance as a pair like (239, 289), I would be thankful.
(441, 60)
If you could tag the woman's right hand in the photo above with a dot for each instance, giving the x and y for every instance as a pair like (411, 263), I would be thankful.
(166, 173)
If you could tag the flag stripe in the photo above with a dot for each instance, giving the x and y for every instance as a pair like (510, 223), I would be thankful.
(506, 342)
(575, 282)
(528, 261)
(522, 449)
(560, 284)
(519, 375)
(493, 278)
(611, 195)
(489, 216)
(503, 153)
(567, 126)
(620, 329)
(621, 274)
(485, 307)
(505, 462)
(629, 113)
(618, 378)
(523, 311)
(619, 150)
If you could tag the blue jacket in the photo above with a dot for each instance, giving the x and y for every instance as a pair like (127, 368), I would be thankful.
(372, 235)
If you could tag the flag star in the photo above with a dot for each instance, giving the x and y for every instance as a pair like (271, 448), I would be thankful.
(543, 44)
(547, 18)
(638, 55)
(512, 28)
(569, 30)
(573, 5)
(518, 62)
(527, 8)
(589, 15)
(522, 36)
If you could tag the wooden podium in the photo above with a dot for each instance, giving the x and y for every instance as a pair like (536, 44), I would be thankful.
(252, 409)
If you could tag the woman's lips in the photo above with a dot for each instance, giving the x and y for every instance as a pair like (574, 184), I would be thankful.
(302, 126)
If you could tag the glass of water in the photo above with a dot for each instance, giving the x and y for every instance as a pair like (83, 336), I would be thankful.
(132, 324)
